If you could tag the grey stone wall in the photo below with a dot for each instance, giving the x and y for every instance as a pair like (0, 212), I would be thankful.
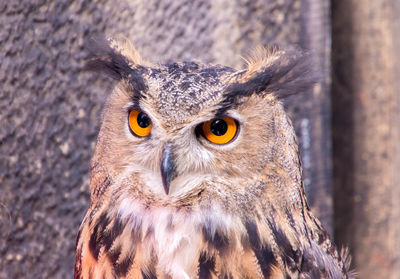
(49, 109)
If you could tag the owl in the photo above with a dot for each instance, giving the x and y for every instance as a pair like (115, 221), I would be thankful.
(196, 173)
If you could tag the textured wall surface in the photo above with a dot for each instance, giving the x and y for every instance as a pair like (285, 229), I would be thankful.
(49, 110)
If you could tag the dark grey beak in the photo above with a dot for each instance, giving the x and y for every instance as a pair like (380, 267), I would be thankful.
(168, 170)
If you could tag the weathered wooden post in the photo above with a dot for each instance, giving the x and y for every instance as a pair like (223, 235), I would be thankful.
(366, 133)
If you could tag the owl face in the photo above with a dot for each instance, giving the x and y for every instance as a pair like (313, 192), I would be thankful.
(180, 130)
(174, 129)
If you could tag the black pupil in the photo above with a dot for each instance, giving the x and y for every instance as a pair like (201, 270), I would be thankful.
(142, 120)
(219, 127)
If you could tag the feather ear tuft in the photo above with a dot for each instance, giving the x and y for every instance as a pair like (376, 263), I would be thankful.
(108, 57)
(277, 71)
(271, 71)
(127, 49)
(105, 59)
(259, 58)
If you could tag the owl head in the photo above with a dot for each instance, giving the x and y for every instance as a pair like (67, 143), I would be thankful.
(177, 129)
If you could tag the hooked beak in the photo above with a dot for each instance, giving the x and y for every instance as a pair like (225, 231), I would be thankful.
(168, 170)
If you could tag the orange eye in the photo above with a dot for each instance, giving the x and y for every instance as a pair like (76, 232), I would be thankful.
(220, 130)
(139, 123)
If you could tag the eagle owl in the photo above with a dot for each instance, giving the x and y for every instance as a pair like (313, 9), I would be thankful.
(196, 173)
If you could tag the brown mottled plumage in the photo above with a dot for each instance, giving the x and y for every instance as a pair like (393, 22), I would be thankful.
(175, 205)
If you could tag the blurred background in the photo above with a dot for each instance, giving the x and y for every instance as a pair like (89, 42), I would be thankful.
(348, 125)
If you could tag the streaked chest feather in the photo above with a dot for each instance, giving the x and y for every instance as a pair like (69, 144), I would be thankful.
(137, 241)
(173, 238)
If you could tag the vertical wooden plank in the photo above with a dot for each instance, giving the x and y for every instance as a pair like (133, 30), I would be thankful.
(366, 133)
(314, 132)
